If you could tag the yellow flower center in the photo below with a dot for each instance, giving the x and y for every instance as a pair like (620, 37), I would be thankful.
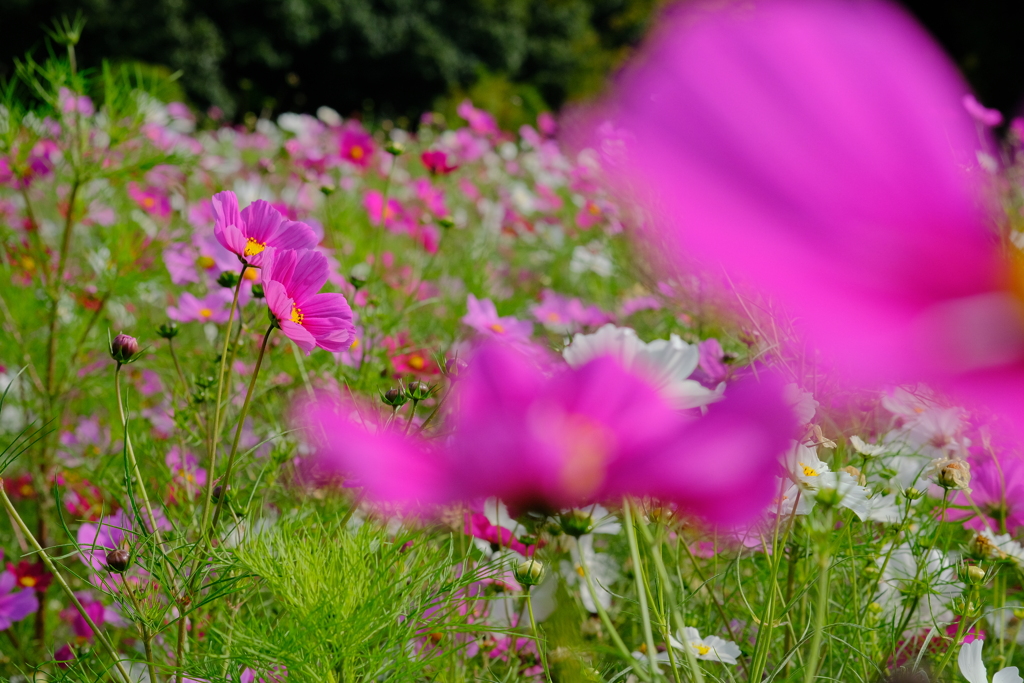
(588, 445)
(497, 327)
(297, 316)
(554, 317)
(355, 343)
(28, 581)
(205, 312)
(701, 648)
(252, 247)
(206, 262)
(416, 362)
(251, 274)
(595, 210)
(148, 202)
(579, 570)
(809, 471)
(28, 263)
(356, 152)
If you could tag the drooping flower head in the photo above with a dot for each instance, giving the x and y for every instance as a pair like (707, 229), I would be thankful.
(250, 232)
(291, 284)
(821, 152)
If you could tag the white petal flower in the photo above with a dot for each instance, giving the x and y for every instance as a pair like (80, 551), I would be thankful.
(869, 449)
(802, 402)
(666, 363)
(973, 668)
(712, 648)
(603, 573)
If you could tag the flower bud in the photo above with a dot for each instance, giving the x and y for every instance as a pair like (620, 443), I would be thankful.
(446, 222)
(575, 522)
(874, 607)
(117, 560)
(228, 279)
(394, 398)
(951, 474)
(124, 348)
(327, 190)
(417, 391)
(394, 148)
(912, 493)
(453, 367)
(975, 573)
(168, 330)
(217, 493)
(529, 572)
(257, 291)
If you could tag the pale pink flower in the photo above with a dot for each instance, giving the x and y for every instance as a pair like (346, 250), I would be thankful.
(482, 316)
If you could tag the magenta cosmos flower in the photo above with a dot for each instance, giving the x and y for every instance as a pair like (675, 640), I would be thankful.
(582, 436)
(15, 605)
(291, 283)
(821, 152)
(482, 316)
(257, 227)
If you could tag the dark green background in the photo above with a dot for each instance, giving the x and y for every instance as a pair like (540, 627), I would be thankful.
(397, 58)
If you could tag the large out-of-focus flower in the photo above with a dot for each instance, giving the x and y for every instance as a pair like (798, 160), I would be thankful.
(973, 668)
(309, 317)
(821, 153)
(584, 435)
(666, 363)
(250, 232)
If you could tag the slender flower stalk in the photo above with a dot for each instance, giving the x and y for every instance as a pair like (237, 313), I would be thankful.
(59, 578)
(241, 422)
(536, 635)
(638, 575)
(151, 518)
(821, 604)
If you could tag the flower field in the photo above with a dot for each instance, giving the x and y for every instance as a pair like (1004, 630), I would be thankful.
(717, 378)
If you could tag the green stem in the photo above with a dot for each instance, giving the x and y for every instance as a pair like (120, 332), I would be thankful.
(241, 422)
(638, 575)
(536, 636)
(821, 606)
(606, 620)
(131, 457)
(100, 635)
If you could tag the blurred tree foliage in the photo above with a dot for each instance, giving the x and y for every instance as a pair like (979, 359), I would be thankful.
(393, 58)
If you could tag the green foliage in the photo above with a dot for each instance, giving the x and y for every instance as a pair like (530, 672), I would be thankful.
(387, 57)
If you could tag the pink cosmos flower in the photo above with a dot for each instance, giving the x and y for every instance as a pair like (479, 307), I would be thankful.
(259, 226)
(478, 526)
(185, 470)
(356, 147)
(291, 283)
(436, 162)
(153, 201)
(562, 315)
(820, 151)
(394, 215)
(71, 103)
(213, 308)
(483, 317)
(479, 120)
(589, 215)
(582, 436)
(15, 605)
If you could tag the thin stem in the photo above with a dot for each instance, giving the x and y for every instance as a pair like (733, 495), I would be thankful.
(821, 606)
(131, 457)
(147, 637)
(241, 422)
(177, 365)
(100, 635)
(536, 636)
(638, 575)
(179, 649)
(215, 430)
(606, 620)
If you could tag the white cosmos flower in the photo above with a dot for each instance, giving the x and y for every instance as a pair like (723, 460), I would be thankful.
(973, 669)
(603, 572)
(869, 449)
(802, 402)
(666, 363)
(935, 585)
(1000, 546)
(711, 648)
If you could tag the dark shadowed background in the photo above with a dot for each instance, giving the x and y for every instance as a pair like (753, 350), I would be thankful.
(398, 58)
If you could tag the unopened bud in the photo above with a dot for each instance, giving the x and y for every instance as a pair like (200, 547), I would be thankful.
(417, 391)
(446, 222)
(874, 607)
(168, 330)
(124, 348)
(217, 493)
(394, 398)
(951, 474)
(117, 560)
(975, 573)
(871, 571)
(228, 279)
(912, 493)
(453, 367)
(257, 291)
(575, 522)
(394, 148)
(529, 572)
(327, 190)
